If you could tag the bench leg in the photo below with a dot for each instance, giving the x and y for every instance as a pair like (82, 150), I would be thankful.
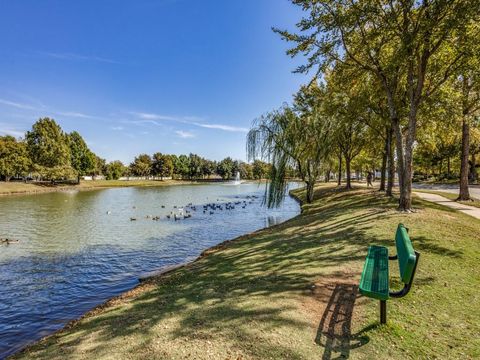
(383, 311)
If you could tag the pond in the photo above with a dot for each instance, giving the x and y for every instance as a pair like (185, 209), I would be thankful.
(78, 249)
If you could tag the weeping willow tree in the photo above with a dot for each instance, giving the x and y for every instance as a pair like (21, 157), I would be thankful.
(291, 137)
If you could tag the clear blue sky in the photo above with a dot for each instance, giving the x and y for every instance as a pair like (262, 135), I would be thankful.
(174, 76)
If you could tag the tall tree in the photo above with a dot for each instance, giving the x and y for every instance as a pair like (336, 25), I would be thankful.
(195, 166)
(162, 165)
(14, 160)
(292, 137)
(81, 158)
(48, 149)
(260, 170)
(141, 166)
(115, 170)
(225, 168)
(468, 83)
(398, 42)
(181, 166)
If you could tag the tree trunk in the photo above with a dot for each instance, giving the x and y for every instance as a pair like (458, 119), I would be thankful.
(327, 176)
(404, 160)
(310, 187)
(347, 166)
(448, 167)
(339, 180)
(78, 179)
(384, 165)
(391, 163)
(464, 192)
(473, 170)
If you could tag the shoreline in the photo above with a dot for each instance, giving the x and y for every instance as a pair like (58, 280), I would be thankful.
(18, 189)
(274, 293)
(146, 280)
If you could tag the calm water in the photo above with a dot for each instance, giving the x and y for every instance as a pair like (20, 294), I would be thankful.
(78, 249)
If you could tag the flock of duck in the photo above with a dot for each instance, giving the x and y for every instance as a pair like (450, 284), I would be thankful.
(186, 212)
(180, 213)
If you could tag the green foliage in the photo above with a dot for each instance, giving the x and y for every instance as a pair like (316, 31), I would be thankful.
(115, 170)
(225, 168)
(162, 165)
(292, 137)
(141, 166)
(260, 169)
(48, 145)
(208, 167)
(82, 159)
(14, 160)
(195, 165)
(180, 166)
(410, 48)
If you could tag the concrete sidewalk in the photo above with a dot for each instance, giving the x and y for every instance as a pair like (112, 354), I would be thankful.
(437, 199)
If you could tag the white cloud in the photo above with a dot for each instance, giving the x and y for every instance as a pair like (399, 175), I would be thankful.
(78, 57)
(153, 119)
(17, 105)
(184, 134)
(222, 127)
(117, 128)
(73, 114)
(149, 116)
(11, 132)
(45, 110)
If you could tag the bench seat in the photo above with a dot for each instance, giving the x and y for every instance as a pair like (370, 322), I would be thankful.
(374, 282)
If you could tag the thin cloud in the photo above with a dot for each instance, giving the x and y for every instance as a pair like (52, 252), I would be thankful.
(11, 132)
(78, 57)
(191, 120)
(73, 114)
(149, 116)
(184, 134)
(45, 109)
(223, 127)
(17, 105)
(117, 128)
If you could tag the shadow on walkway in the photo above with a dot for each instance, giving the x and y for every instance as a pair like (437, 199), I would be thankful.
(334, 330)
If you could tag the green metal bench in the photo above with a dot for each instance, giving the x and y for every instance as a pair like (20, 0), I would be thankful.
(374, 282)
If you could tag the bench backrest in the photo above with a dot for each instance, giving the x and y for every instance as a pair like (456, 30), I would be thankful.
(406, 254)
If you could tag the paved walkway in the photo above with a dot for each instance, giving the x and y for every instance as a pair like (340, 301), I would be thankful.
(450, 188)
(437, 199)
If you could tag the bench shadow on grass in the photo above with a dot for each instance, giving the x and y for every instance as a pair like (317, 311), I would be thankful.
(334, 330)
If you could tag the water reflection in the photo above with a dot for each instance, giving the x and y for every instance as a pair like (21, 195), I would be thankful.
(77, 249)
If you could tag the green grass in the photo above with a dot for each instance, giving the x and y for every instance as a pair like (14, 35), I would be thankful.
(451, 196)
(290, 292)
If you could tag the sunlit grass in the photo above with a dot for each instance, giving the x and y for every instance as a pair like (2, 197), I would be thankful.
(286, 293)
(11, 188)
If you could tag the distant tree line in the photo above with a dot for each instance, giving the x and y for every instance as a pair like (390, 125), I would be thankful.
(190, 167)
(49, 153)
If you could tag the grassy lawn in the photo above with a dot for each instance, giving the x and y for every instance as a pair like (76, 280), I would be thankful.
(12, 188)
(290, 292)
(451, 196)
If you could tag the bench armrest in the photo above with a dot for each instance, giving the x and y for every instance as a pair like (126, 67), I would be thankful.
(394, 257)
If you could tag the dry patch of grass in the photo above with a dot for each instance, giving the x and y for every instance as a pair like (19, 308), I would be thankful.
(290, 292)
(16, 188)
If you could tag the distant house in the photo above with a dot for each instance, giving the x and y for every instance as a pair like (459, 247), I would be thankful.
(91, 178)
